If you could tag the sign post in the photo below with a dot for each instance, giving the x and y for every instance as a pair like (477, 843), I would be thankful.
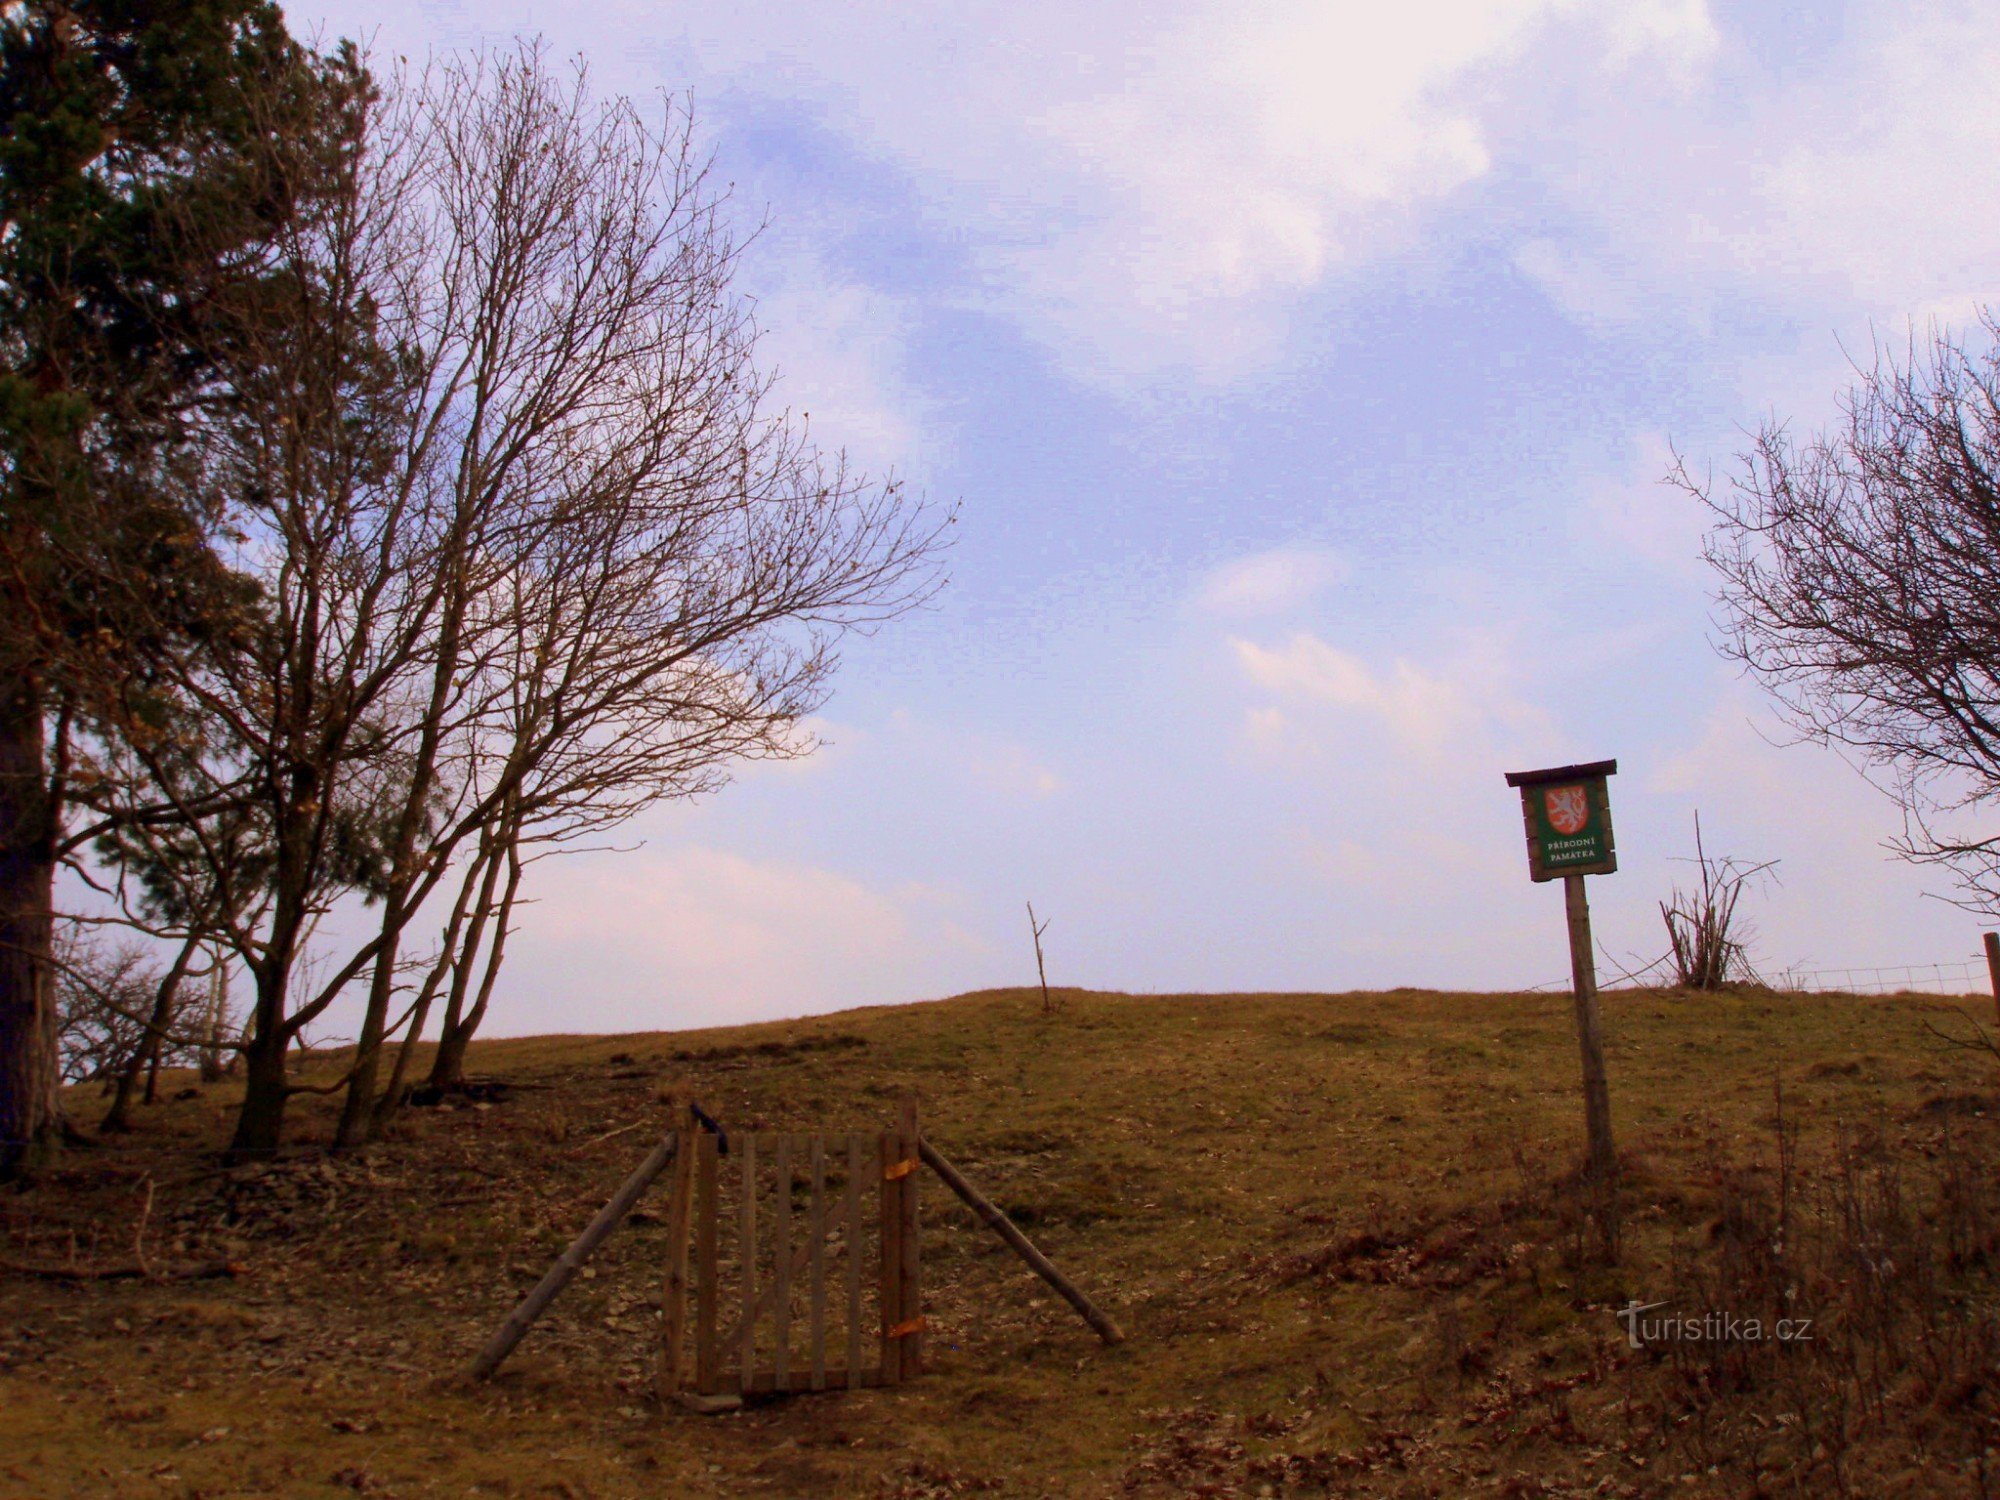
(1568, 815)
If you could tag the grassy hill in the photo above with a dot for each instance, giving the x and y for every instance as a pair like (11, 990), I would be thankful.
(1341, 1233)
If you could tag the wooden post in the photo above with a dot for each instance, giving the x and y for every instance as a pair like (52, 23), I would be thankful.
(707, 1363)
(1022, 1246)
(1993, 969)
(673, 1307)
(817, 1275)
(891, 1294)
(910, 1316)
(781, 1238)
(571, 1260)
(746, 1254)
(1589, 1033)
(856, 1168)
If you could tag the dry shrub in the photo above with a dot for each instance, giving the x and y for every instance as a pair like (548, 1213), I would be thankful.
(1888, 1245)
(1708, 944)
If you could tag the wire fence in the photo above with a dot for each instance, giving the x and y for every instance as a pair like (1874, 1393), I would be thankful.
(1967, 978)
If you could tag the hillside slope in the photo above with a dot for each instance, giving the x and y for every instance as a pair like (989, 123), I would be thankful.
(1339, 1230)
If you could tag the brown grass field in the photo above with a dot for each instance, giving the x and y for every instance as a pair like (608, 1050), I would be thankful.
(1341, 1232)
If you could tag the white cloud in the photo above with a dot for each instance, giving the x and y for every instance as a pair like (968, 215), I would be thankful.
(1419, 709)
(1013, 772)
(1743, 753)
(1150, 189)
(1266, 728)
(1888, 171)
(839, 349)
(1842, 898)
(1850, 187)
(1250, 153)
(1597, 287)
(699, 936)
(1640, 514)
(1677, 35)
(1005, 768)
(1268, 583)
(1146, 187)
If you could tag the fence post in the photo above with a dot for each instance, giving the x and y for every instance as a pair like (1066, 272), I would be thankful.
(1993, 969)
(673, 1331)
(910, 1319)
(707, 1360)
(892, 1257)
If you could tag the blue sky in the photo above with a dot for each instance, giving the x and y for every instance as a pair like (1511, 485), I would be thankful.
(1306, 374)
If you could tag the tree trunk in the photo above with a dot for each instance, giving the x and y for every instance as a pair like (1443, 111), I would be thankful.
(357, 1110)
(218, 1012)
(118, 1119)
(260, 1123)
(448, 1069)
(459, 950)
(146, 1056)
(358, 1113)
(30, 1075)
(300, 820)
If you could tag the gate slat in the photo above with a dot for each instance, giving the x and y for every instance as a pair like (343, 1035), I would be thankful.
(854, 1170)
(909, 1244)
(767, 1290)
(746, 1235)
(707, 1294)
(781, 1231)
(673, 1304)
(818, 1272)
(889, 1149)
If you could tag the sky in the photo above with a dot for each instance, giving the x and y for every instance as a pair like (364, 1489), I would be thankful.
(1305, 375)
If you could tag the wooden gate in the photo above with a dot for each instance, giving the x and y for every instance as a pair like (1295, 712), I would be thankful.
(809, 1280)
(855, 1270)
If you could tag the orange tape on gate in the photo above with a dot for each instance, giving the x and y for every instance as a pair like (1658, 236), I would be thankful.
(907, 1327)
(900, 1169)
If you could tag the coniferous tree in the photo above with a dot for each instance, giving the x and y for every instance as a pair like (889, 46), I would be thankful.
(147, 150)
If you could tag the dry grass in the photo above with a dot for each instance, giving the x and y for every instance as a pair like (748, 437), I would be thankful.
(1338, 1229)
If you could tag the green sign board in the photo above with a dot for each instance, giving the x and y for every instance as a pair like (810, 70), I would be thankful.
(1568, 815)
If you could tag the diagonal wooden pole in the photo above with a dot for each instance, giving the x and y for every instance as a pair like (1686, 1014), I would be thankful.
(1003, 1226)
(571, 1260)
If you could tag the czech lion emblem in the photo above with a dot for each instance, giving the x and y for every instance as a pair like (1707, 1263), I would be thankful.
(1568, 808)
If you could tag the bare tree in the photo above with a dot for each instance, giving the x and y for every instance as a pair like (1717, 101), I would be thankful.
(1860, 585)
(537, 551)
(102, 992)
(1035, 930)
(678, 561)
(1708, 945)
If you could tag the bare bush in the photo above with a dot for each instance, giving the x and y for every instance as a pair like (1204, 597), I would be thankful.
(1876, 1258)
(1708, 943)
(103, 992)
